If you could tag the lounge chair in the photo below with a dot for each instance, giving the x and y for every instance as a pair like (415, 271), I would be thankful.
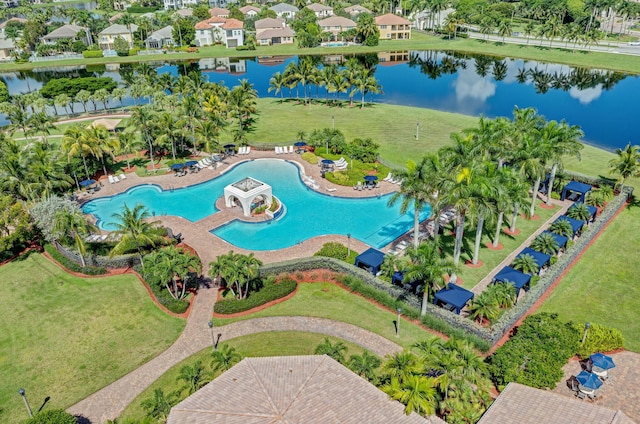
(110, 177)
(206, 161)
(388, 177)
(331, 190)
(290, 149)
(123, 177)
(358, 186)
(247, 150)
(398, 182)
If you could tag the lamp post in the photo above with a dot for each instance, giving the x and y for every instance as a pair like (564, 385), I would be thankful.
(26, 402)
(327, 145)
(213, 340)
(398, 323)
(417, 130)
(586, 330)
(333, 124)
(351, 162)
(348, 245)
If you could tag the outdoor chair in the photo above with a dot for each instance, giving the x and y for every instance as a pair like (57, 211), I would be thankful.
(115, 179)
(123, 177)
(110, 177)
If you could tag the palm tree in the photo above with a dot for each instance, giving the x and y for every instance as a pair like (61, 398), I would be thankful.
(484, 306)
(236, 269)
(158, 406)
(119, 93)
(136, 233)
(170, 265)
(129, 142)
(83, 96)
(401, 365)
(224, 358)
(428, 265)
(365, 365)
(73, 224)
(102, 95)
(504, 28)
(193, 376)
(63, 101)
(526, 263)
(546, 243)
(562, 227)
(242, 100)
(75, 143)
(626, 164)
(579, 211)
(561, 140)
(335, 351)
(104, 144)
(141, 119)
(504, 294)
(276, 84)
(417, 392)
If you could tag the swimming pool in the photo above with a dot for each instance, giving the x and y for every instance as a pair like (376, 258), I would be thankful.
(309, 213)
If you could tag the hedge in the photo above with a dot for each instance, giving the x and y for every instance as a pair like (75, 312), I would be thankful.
(174, 305)
(599, 339)
(70, 265)
(88, 54)
(270, 291)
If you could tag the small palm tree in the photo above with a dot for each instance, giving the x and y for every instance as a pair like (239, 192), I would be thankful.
(224, 358)
(526, 263)
(136, 232)
(365, 365)
(627, 164)
(401, 365)
(504, 294)
(335, 351)
(599, 196)
(193, 376)
(75, 226)
(417, 392)
(158, 406)
(484, 306)
(546, 243)
(562, 227)
(579, 211)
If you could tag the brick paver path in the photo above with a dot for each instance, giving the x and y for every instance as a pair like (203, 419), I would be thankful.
(619, 391)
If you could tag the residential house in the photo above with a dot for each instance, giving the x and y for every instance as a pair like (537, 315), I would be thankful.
(69, 31)
(321, 10)
(336, 25)
(121, 4)
(179, 4)
(214, 30)
(115, 18)
(160, 38)
(223, 65)
(221, 3)
(107, 36)
(271, 31)
(250, 11)
(184, 13)
(356, 10)
(9, 3)
(284, 10)
(4, 25)
(6, 48)
(393, 27)
(219, 12)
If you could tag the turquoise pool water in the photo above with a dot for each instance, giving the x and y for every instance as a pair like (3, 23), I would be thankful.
(308, 213)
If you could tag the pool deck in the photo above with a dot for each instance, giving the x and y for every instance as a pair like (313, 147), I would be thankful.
(209, 246)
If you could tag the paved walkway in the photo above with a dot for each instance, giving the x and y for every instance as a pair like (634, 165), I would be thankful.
(109, 402)
(620, 391)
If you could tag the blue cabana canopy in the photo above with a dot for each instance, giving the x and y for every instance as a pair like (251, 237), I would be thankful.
(576, 225)
(512, 275)
(397, 277)
(541, 258)
(561, 240)
(454, 296)
(177, 166)
(580, 188)
(87, 183)
(592, 211)
(370, 260)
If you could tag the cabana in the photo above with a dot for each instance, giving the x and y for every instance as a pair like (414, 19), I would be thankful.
(247, 192)
(575, 188)
(519, 279)
(561, 240)
(370, 260)
(397, 277)
(453, 298)
(576, 225)
(541, 259)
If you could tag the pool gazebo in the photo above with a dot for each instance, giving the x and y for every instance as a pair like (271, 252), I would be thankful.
(246, 191)
(575, 191)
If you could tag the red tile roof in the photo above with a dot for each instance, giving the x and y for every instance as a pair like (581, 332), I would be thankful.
(391, 19)
(233, 24)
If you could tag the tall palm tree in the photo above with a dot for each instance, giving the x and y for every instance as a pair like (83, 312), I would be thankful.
(141, 119)
(136, 232)
(626, 164)
(561, 140)
(104, 144)
(75, 143)
(428, 265)
(242, 100)
(276, 84)
(45, 173)
(224, 358)
(73, 225)
(129, 143)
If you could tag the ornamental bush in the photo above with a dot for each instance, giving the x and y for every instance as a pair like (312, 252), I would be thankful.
(52, 416)
(271, 290)
(599, 339)
(310, 157)
(333, 250)
(88, 54)
(72, 266)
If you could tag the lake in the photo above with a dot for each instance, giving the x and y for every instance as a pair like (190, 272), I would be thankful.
(599, 101)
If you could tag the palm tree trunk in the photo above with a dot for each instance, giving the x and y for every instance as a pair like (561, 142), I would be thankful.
(416, 226)
(84, 162)
(184, 288)
(512, 229)
(552, 176)
(457, 249)
(81, 257)
(498, 230)
(169, 290)
(534, 196)
(425, 299)
(476, 248)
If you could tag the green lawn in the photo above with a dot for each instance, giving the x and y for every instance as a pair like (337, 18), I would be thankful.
(327, 300)
(66, 337)
(281, 343)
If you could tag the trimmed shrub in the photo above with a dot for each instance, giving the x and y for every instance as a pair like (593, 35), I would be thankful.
(52, 416)
(333, 249)
(174, 305)
(88, 54)
(271, 290)
(535, 355)
(70, 265)
(310, 157)
(599, 339)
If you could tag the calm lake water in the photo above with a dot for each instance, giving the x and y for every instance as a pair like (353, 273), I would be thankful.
(601, 102)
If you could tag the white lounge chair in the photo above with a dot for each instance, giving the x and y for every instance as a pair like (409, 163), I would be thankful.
(290, 149)
(111, 180)
(247, 150)
(115, 179)
(388, 177)
(340, 167)
(330, 190)
(340, 161)
(206, 161)
(123, 177)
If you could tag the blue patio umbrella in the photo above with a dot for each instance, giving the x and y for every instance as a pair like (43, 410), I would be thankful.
(602, 361)
(370, 178)
(589, 380)
(229, 146)
(87, 183)
(327, 161)
(191, 163)
(299, 143)
(177, 166)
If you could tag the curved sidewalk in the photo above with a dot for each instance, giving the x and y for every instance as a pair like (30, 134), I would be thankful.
(109, 402)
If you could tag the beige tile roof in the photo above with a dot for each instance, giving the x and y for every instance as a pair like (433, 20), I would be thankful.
(357, 8)
(233, 24)
(337, 21)
(14, 19)
(268, 34)
(519, 404)
(270, 23)
(317, 7)
(247, 9)
(218, 11)
(291, 390)
(391, 19)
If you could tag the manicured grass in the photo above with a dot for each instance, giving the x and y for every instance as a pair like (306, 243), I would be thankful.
(66, 337)
(281, 343)
(418, 41)
(603, 286)
(328, 300)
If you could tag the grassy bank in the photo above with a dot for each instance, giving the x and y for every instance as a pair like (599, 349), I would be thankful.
(419, 41)
(65, 337)
(281, 343)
